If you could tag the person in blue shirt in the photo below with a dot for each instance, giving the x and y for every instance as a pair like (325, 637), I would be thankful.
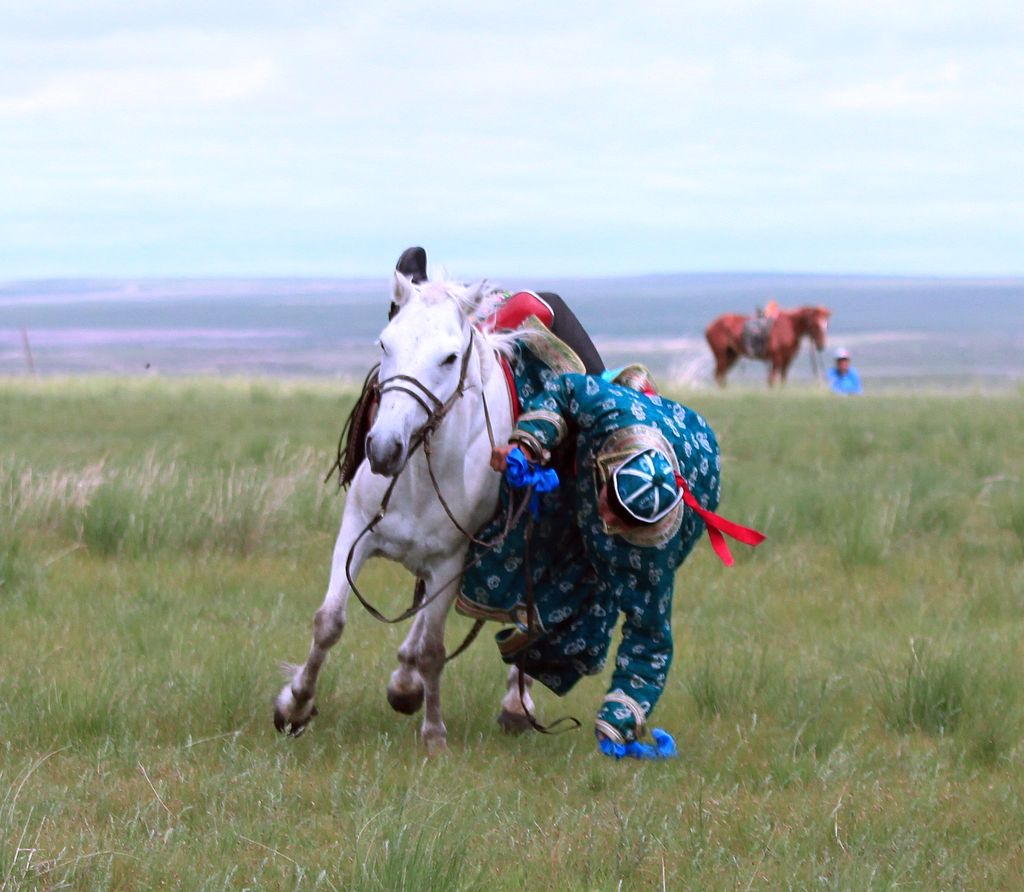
(843, 377)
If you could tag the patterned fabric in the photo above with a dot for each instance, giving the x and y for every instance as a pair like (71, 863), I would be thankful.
(634, 376)
(583, 573)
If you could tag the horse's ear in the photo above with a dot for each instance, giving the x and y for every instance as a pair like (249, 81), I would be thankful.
(401, 289)
(475, 294)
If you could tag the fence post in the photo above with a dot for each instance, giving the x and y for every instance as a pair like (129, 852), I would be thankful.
(29, 364)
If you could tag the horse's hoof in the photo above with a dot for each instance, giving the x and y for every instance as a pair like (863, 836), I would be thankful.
(435, 739)
(514, 722)
(436, 748)
(291, 727)
(406, 702)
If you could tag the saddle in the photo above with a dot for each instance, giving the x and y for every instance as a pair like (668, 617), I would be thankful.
(756, 334)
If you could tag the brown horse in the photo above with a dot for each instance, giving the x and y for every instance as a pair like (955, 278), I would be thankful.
(725, 337)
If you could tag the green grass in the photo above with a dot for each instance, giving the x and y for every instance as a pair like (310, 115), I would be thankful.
(846, 700)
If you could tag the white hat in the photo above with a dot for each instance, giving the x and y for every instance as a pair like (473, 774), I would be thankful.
(842, 353)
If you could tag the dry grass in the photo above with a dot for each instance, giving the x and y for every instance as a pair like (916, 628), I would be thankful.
(846, 700)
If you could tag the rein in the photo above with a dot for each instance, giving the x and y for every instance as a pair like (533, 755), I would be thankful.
(815, 364)
(530, 630)
(436, 411)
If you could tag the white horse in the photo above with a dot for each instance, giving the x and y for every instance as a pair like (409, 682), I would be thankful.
(432, 355)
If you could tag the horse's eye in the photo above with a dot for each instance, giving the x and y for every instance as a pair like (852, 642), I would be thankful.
(451, 359)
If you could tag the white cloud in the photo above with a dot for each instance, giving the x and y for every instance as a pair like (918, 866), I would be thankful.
(939, 89)
(494, 123)
(126, 88)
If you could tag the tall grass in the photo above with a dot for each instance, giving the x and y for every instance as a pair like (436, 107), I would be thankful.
(164, 544)
(1009, 511)
(154, 506)
(929, 693)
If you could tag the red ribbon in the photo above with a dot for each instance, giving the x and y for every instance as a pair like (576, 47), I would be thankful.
(718, 525)
(510, 382)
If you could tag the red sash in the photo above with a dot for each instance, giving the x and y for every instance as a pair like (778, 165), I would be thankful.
(718, 525)
(510, 381)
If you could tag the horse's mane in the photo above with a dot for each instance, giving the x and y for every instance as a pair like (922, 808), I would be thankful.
(813, 310)
(474, 309)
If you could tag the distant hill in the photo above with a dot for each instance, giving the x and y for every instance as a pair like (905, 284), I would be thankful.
(902, 330)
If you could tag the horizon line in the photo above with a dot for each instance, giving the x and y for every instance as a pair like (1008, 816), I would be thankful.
(341, 277)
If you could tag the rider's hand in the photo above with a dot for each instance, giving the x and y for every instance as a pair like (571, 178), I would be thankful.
(499, 456)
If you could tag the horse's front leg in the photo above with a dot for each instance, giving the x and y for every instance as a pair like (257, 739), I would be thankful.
(723, 363)
(405, 688)
(784, 370)
(430, 653)
(294, 706)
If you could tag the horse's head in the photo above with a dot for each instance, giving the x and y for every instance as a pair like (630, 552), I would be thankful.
(424, 365)
(817, 324)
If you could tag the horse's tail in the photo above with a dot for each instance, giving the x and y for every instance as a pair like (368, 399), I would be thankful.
(352, 442)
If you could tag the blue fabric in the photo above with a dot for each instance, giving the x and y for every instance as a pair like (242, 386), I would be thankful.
(521, 473)
(585, 577)
(664, 747)
(847, 385)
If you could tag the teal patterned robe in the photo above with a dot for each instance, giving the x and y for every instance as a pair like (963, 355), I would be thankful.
(584, 573)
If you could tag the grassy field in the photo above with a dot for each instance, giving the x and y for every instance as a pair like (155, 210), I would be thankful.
(847, 700)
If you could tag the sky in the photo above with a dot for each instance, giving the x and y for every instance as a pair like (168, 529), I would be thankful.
(189, 138)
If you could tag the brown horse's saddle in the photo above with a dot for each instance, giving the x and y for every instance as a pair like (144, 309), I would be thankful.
(756, 332)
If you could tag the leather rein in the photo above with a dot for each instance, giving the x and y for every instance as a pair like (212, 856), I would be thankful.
(436, 410)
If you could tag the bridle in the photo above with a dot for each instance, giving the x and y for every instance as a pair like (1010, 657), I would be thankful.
(431, 403)
(436, 410)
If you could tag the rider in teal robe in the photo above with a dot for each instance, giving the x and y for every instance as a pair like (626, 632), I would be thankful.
(586, 568)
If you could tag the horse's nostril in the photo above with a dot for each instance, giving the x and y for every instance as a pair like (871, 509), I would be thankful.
(384, 453)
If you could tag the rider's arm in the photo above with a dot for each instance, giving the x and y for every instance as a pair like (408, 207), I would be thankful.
(542, 424)
(641, 665)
